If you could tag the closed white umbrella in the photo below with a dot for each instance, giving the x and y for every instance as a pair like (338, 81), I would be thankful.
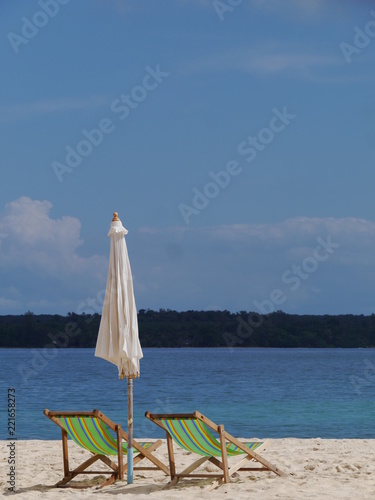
(118, 339)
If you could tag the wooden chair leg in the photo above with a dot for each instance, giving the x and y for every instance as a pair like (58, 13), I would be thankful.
(120, 453)
(147, 454)
(65, 452)
(186, 472)
(71, 474)
(172, 465)
(224, 456)
(255, 455)
(107, 482)
(138, 458)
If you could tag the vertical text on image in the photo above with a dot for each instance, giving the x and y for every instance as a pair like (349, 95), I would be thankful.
(11, 440)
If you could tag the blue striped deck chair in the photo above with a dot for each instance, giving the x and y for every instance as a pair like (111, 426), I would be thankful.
(95, 432)
(196, 433)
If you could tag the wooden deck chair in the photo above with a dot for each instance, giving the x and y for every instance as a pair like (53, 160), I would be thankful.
(92, 431)
(194, 432)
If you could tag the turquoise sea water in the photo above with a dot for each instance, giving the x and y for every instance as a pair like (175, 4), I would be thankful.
(327, 393)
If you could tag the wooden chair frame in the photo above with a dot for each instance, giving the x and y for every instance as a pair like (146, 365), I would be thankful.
(224, 437)
(116, 471)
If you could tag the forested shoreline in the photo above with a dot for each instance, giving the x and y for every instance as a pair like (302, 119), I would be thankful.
(167, 328)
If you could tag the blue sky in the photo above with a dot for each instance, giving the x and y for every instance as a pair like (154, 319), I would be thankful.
(235, 139)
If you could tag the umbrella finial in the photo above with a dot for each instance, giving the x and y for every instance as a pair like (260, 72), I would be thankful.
(115, 216)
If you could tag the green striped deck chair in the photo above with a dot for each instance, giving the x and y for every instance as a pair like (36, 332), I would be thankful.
(197, 434)
(95, 432)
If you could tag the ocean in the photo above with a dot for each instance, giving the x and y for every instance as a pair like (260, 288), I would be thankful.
(261, 393)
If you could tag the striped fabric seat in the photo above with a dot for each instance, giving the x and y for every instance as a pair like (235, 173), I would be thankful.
(91, 433)
(197, 434)
(193, 435)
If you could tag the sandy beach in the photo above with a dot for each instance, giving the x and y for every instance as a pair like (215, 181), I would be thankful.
(317, 468)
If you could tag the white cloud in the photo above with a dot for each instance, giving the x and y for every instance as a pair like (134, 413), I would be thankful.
(122, 7)
(305, 10)
(235, 265)
(306, 7)
(266, 61)
(38, 242)
(25, 111)
(289, 232)
(229, 266)
(9, 304)
(40, 256)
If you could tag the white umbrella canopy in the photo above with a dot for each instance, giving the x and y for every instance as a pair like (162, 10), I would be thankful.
(118, 339)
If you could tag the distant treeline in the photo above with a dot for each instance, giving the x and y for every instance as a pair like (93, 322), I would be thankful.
(166, 328)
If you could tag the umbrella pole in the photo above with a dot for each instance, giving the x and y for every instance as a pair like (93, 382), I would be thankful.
(130, 430)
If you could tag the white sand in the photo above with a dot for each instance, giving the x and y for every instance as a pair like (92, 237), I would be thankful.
(317, 468)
